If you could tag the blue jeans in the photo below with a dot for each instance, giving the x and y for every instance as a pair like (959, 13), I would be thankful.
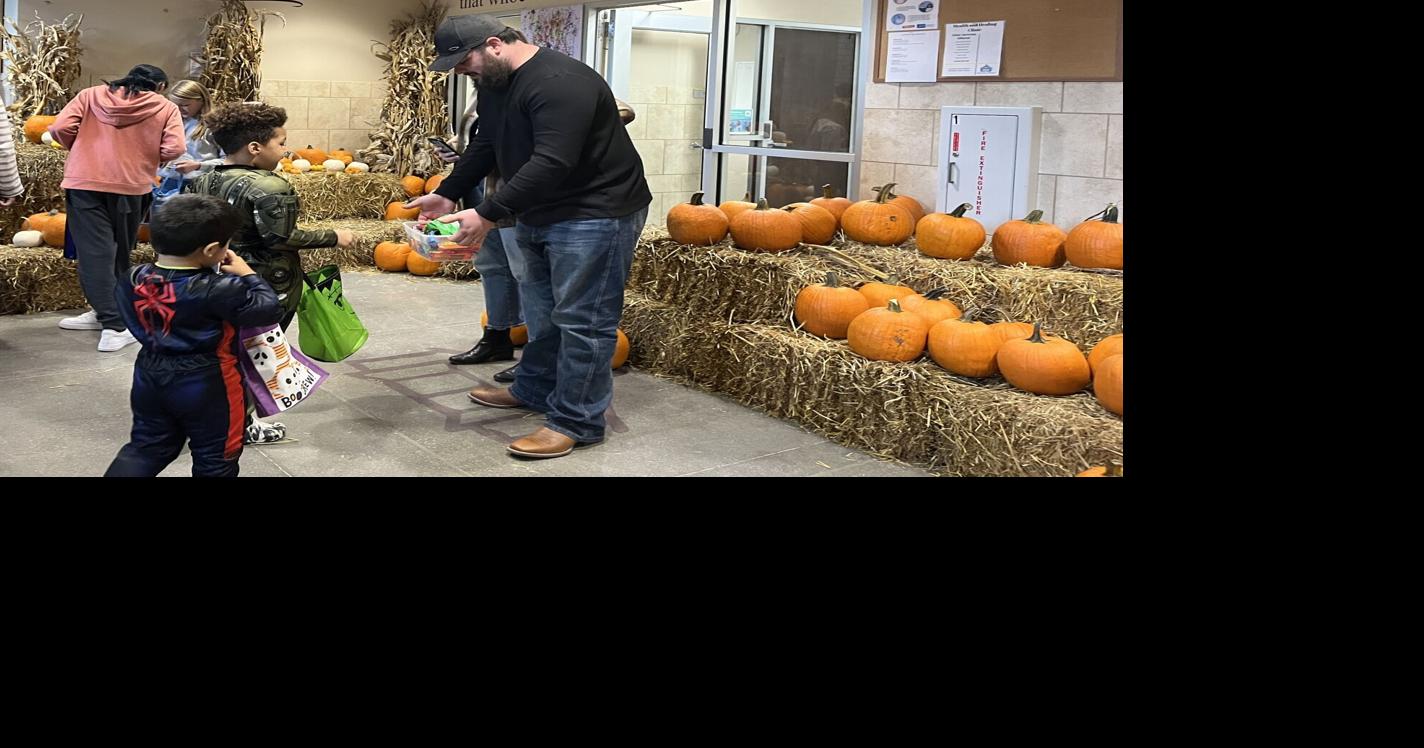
(500, 268)
(573, 301)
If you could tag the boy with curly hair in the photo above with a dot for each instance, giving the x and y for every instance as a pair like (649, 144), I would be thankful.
(253, 136)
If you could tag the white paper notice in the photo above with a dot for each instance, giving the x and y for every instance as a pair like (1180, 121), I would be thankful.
(973, 48)
(908, 15)
(911, 57)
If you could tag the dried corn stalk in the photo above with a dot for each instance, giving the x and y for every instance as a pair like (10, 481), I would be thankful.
(415, 103)
(42, 62)
(232, 55)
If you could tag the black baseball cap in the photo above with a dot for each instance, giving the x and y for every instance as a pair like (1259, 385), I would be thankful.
(457, 36)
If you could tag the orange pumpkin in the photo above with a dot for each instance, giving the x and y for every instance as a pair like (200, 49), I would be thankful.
(1046, 365)
(828, 309)
(312, 153)
(519, 334)
(932, 307)
(888, 334)
(1029, 241)
(836, 205)
(1107, 383)
(36, 126)
(1110, 470)
(620, 351)
(733, 208)
(965, 347)
(1109, 346)
(1012, 330)
(1096, 244)
(418, 265)
(414, 186)
(342, 155)
(53, 230)
(878, 222)
(392, 256)
(910, 204)
(818, 226)
(695, 222)
(432, 184)
(394, 212)
(878, 294)
(949, 236)
(37, 221)
(766, 230)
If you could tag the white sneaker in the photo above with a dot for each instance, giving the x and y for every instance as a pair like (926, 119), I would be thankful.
(263, 432)
(86, 321)
(113, 340)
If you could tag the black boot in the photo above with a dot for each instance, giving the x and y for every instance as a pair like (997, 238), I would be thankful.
(494, 346)
(507, 375)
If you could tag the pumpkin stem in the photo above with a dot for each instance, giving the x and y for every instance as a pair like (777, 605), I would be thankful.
(959, 212)
(1111, 212)
(1034, 217)
(969, 315)
(696, 198)
(761, 204)
(832, 280)
(894, 305)
(826, 191)
(884, 193)
(54, 211)
(747, 197)
(1114, 469)
(893, 280)
(1037, 336)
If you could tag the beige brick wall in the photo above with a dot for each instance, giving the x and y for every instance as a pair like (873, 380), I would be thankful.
(327, 114)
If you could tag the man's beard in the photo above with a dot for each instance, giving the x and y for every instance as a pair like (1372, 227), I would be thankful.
(496, 74)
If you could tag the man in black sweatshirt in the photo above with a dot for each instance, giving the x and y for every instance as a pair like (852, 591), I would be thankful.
(575, 185)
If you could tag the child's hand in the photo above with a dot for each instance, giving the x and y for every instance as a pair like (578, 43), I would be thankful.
(345, 238)
(234, 265)
(6, 202)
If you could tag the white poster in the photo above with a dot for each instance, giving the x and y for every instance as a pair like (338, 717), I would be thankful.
(911, 57)
(910, 15)
(973, 48)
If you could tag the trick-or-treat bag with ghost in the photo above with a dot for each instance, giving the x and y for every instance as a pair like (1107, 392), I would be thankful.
(274, 372)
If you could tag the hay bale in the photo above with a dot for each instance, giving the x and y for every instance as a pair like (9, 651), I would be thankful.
(722, 281)
(915, 412)
(41, 170)
(41, 280)
(340, 195)
(369, 233)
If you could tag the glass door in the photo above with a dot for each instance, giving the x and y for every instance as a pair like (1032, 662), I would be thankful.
(784, 124)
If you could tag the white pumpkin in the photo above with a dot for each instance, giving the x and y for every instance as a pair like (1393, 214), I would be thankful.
(301, 164)
(28, 239)
(334, 164)
(46, 138)
(356, 167)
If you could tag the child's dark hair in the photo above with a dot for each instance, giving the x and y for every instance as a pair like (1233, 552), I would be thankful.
(187, 223)
(140, 78)
(235, 125)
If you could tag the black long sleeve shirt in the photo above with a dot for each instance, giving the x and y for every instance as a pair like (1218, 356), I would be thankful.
(555, 136)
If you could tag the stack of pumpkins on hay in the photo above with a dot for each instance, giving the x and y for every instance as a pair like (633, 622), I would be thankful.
(892, 322)
(399, 257)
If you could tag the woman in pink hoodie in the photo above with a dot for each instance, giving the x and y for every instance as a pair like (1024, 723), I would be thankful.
(117, 135)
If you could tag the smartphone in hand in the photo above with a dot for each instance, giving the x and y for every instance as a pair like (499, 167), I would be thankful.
(443, 147)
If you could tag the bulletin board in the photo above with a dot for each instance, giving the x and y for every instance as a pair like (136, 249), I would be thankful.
(1044, 40)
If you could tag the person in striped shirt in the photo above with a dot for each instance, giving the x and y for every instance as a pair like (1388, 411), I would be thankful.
(10, 186)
